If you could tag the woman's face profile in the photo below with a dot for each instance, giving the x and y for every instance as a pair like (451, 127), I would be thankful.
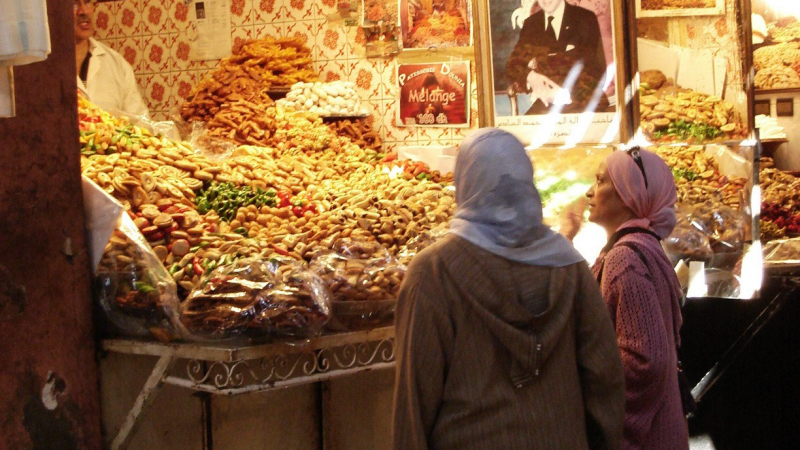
(605, 205)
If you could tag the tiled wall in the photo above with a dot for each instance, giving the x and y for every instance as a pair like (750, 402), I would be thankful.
(155, 36)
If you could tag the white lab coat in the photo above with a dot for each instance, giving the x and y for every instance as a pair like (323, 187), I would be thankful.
(110, 83)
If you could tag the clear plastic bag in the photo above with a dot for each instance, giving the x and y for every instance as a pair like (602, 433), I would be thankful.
(782, 253)
(689, 240)
(211, 147)
(364, 280)
(167, 128)
(420, 242)
(133, 289)
(254, 298)
(725, 226)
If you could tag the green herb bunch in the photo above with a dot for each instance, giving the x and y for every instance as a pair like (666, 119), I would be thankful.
(684, 130)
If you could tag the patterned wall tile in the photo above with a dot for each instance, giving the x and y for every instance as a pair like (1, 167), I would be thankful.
(179, 50)
(330, 44)
(156, 57)
(242, 13)
(105, 16)
(305, 30)
(182, 84)
(435, 136)
(131, 49)
(112, 43)
(461, 133)
(387, 71)
(179, 15)
(373, 108)
(299, 10)
(205, 65)
(128, 20)
(356, 41)
(155, 17)
(158, 91)
(201, 74)
(325, 8)
(269, 29)
(268, 11)
(332, 70)
(365, 74)
(240, 35)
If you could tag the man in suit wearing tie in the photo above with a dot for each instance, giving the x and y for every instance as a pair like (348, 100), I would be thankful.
(559, 47)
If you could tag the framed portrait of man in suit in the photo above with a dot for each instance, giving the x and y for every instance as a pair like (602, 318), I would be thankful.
(548, 69)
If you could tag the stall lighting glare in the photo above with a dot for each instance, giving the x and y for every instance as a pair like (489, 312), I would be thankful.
(394, 172)
(639, 139)
(547, 182)
(579, 130)
(784, 7)
(752, 271)
(539, 138)
(697, 280)
(749, 142)
(590, 241)
(755, 199)
(611, 132)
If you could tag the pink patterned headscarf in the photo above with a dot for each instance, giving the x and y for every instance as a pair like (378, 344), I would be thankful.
(653, 205)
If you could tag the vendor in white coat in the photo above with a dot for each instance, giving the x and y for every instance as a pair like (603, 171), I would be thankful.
(103, 74)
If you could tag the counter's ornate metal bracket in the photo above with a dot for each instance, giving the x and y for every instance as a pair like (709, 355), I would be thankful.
(232, 370)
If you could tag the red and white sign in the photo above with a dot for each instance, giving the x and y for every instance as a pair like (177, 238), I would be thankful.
(434, 95)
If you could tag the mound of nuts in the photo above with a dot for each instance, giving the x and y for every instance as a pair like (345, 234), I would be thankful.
(698, 179)
(672, 105)
(337, 189)
(780, 188)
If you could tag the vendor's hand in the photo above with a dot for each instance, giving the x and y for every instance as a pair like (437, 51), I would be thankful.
(571, 218)
(546, 90)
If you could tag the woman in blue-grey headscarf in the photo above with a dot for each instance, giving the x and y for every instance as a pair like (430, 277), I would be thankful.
(503, 340)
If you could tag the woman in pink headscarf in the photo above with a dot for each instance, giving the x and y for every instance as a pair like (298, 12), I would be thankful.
(633, 198)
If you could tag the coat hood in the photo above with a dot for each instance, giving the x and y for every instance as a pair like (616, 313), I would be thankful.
(527, 308)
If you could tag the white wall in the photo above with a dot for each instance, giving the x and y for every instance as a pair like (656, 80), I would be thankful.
(787, 157)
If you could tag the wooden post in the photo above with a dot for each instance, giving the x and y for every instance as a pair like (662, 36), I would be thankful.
(48, 384)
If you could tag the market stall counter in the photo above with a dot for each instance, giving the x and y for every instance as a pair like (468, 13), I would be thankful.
(225, 369)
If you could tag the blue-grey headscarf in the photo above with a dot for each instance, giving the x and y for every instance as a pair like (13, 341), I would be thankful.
(499, 208)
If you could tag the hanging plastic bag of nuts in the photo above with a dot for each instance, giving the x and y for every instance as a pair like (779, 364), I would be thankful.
(255, 298)
(689, 239)
(136, 294)
(364, 280)
(420, 242)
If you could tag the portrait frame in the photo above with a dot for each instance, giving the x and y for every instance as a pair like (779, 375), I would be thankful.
(553, 128)
(642, 11)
